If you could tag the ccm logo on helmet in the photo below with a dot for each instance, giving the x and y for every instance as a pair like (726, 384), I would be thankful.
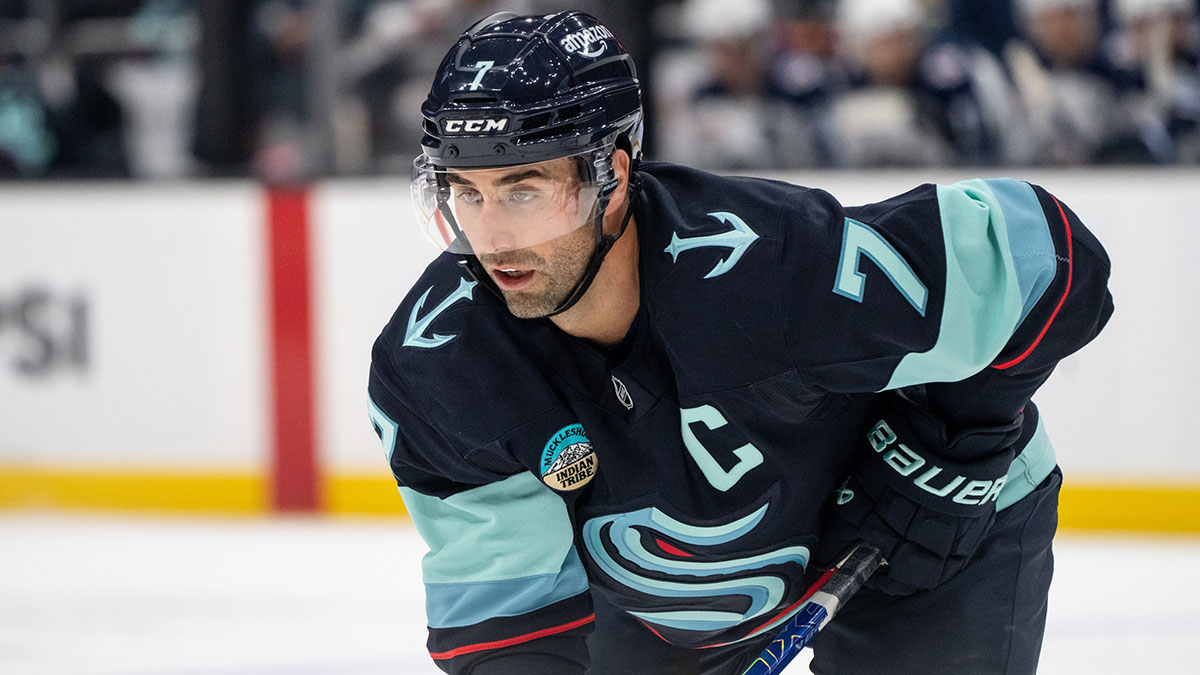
(587, 42)
(474, 126)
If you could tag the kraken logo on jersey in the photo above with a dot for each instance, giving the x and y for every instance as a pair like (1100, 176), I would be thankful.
(414, 336)
(738, 239)
(568, 460)
(631, 548)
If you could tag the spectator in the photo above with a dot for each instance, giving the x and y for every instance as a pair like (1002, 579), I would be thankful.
(732, 110)
(807, 70)
(1081, 94)
(223, 138)
(1163, 39)
(917, 101)
(988, 23)
(91, 127)
(281, 33)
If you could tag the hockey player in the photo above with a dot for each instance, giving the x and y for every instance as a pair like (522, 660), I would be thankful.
(632, 404)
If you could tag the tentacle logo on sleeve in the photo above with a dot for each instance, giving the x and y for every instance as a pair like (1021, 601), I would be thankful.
(726, 592)
(414, 336)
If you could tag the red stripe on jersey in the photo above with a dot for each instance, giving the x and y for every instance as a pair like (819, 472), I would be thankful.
(528, 637)
(652, 630)
(673, 550)
(1063, 299)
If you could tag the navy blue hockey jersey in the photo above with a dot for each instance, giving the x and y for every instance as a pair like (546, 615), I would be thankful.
(678, 480)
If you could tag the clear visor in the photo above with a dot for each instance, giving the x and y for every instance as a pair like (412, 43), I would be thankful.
(479, 211)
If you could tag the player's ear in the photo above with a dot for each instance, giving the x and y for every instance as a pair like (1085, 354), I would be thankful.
(616, 202)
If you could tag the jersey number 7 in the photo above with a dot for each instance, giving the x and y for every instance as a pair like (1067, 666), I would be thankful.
(859, 239)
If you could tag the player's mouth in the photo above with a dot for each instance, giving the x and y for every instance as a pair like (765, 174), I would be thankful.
(511, 278)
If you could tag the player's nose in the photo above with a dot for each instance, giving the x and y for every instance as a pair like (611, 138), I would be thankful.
(496, 233)
(499, 243)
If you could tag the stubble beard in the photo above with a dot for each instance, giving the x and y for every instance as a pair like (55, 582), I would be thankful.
(558, 274)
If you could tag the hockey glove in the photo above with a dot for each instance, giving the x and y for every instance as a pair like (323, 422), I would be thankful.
(924, 498)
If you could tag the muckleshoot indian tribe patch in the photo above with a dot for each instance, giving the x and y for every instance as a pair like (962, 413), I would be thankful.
(568, 461)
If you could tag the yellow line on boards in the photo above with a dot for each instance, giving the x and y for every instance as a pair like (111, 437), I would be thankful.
(1087, 506)
(352, 495)
(129, 490)
(1130, 508)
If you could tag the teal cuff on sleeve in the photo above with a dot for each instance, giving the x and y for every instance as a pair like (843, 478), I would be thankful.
(1029, 469)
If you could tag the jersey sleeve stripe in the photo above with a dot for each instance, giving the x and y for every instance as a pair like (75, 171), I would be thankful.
(1063, 299)
(500, 549)
(464, 604)
(1029, 239)
(519, 639)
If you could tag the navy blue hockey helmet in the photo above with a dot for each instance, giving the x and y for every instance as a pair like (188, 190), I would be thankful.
(520, 89)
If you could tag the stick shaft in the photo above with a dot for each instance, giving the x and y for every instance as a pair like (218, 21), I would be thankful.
(846, 578)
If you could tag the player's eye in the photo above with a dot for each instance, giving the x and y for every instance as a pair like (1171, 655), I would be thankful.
(469, 197)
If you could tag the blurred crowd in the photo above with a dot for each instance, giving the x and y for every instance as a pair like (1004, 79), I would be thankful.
(866, 83)
(287, 89)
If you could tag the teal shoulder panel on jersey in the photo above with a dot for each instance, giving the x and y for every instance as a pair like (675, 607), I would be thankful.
(1029, 239)
(999, 260)
(500, 549)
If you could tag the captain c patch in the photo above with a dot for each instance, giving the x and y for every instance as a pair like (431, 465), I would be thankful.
(568, 461)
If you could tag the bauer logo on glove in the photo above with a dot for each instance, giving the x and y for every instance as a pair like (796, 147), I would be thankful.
(907, 462)
(923, 494)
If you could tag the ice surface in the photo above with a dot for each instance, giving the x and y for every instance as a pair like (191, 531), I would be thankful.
(93, 595)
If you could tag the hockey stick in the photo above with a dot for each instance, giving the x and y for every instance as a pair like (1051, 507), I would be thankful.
(829, 593)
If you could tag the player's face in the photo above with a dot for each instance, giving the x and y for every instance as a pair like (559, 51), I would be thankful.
(529, 227)
(516, 207)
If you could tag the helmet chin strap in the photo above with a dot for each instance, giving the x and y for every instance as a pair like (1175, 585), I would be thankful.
(604, 242)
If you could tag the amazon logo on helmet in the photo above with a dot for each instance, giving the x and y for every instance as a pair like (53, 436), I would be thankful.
(589, 42)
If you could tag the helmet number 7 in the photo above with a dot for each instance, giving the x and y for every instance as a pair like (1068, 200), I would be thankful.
(483, 67)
